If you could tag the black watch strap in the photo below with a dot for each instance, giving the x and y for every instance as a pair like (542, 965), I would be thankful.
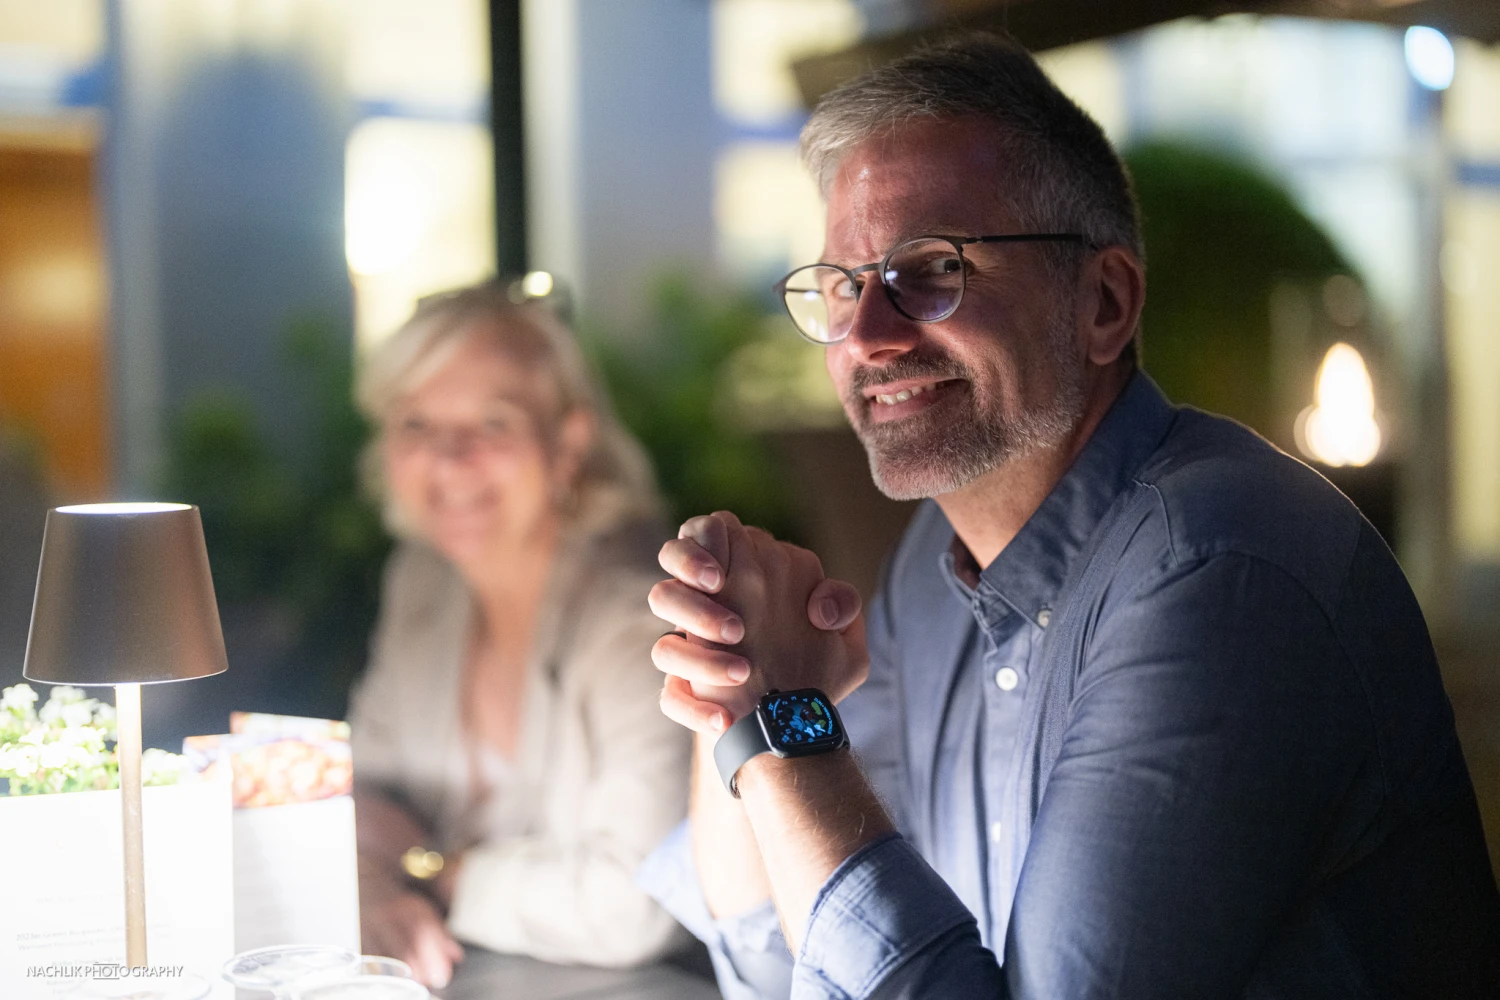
(743, 740)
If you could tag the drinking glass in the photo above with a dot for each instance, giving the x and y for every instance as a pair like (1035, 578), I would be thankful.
(366, 988)
(280, 969)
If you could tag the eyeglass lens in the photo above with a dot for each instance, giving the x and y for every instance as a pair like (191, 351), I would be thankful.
(924, 279)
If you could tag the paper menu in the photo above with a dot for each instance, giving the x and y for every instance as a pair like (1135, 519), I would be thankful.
(278, 760)
(64, 893)
(296, 869)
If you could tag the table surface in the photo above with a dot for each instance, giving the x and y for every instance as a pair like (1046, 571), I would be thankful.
(488, 975)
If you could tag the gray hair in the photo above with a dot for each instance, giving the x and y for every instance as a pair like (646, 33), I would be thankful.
(614, 484)
(1061, 174)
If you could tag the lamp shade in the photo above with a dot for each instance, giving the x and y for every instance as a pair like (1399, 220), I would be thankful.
(124, 596)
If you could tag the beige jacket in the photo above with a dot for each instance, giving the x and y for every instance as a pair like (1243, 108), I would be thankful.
(600, 776)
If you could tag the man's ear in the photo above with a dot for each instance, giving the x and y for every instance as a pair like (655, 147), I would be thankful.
(1111, 295)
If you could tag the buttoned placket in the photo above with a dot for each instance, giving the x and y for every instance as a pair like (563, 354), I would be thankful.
(1006, 667)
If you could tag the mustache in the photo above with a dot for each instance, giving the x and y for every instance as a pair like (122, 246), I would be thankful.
(916, 364)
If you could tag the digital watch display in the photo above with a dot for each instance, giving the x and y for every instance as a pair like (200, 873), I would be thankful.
(784, 723)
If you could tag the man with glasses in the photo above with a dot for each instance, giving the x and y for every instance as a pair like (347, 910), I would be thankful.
(1144, 707)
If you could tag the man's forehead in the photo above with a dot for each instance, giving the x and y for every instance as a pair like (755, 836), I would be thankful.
(935, 177)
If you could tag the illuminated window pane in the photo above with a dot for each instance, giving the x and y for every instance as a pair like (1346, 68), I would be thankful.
(418, 214)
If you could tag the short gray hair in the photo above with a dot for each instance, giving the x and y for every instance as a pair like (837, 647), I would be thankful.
(1062, 175)
(615, 482)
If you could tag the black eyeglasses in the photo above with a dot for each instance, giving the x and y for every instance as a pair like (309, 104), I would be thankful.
(923, 278)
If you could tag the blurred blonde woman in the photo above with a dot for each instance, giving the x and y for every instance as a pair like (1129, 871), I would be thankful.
(508, 718)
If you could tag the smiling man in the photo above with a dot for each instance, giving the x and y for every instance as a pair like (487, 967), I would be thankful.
(1148, 709)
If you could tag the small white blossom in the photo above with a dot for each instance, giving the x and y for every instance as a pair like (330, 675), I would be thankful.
(79, 713)
(18, 700)
(53, 755)
(158, 767)
(17, 760)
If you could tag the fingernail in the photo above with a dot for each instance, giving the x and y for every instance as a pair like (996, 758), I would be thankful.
(710, 578)
(829, 609)
(732, 631)
(717, 721)
(739, 672)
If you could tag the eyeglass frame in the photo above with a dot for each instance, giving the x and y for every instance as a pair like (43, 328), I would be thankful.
(957, 242)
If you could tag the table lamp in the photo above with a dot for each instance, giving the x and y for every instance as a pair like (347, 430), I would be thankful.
(124, 598)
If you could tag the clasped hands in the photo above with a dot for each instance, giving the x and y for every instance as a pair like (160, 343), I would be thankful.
(755, 615)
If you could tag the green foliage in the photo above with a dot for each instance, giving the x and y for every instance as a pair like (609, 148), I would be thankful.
(292, 530)
(1219, 237)
(668, 384)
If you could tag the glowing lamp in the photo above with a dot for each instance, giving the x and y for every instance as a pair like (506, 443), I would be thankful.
(124, 598)
(1339, 428)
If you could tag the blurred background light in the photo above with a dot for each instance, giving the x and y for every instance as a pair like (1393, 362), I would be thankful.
(1429, 56)
(1340, 429)
(418, 199)
(537, 284)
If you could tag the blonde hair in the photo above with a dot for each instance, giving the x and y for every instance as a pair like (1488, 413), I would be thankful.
(614, 483)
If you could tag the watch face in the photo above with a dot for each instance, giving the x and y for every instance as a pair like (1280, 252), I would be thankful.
(799, 722)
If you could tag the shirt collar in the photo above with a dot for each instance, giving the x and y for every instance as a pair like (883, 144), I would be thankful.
(1030, 571)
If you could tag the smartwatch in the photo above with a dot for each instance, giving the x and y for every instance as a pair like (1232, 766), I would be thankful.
(784, 723)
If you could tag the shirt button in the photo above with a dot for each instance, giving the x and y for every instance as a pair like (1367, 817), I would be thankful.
(1044, 617)
(995, 830)
(1007, 678)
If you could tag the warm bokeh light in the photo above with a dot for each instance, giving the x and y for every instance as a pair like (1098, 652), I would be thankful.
(1340, 428)
(537, 284)
(418, 215)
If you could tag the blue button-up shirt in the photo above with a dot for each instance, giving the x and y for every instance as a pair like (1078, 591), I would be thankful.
(1184, 737)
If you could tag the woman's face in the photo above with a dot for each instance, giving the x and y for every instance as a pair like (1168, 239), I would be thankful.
(465, 457)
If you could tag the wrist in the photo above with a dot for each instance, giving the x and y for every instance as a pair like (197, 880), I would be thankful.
(766, 771)
(783, 724)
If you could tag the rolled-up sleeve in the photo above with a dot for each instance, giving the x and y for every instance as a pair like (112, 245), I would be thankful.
(886, 924)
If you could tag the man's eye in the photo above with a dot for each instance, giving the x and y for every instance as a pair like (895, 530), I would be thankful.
(840, 290)
(940, 266)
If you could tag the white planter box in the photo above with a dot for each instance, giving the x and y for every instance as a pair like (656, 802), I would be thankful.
(62, 893)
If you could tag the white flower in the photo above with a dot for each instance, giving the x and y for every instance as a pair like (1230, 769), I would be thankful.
(18, 700)
(87, 737)
(158, 767)
(53, 756)
(78, 713)
(17, 760)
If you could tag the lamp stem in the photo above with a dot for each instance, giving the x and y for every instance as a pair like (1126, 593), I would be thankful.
(128, 749)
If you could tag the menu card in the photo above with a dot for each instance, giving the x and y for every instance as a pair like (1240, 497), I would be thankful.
(295, 868)
(62, 918)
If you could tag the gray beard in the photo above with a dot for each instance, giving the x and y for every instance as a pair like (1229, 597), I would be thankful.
(924, 456)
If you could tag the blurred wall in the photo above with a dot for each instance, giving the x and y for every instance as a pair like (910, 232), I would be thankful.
(224, 164)
(620, 132)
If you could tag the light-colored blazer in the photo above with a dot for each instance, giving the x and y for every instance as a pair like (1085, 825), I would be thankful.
(600, 775)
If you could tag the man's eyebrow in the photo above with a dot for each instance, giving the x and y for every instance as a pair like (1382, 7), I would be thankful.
(958, 230)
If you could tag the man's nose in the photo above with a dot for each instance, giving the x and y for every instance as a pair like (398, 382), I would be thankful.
(878, 332)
